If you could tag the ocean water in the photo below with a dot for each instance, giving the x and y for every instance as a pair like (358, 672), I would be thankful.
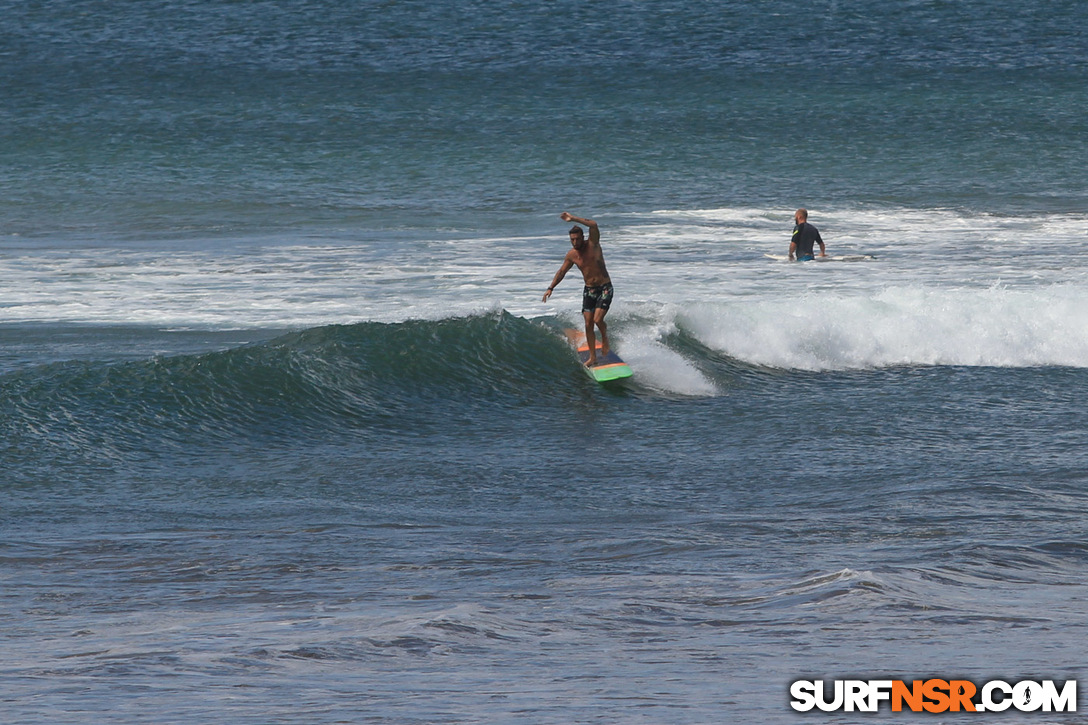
(288, 436)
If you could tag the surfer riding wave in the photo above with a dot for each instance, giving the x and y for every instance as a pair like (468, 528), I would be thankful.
(588, 256)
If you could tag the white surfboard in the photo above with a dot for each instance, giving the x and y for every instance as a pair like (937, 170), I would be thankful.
(828, 258)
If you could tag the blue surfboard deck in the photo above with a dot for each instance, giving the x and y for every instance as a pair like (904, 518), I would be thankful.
(608, 368)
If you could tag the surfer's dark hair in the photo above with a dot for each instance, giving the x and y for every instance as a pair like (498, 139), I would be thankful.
(577, 230)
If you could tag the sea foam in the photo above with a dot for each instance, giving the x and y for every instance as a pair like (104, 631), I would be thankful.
(911, 325)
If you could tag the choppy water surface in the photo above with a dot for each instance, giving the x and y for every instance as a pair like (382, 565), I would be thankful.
(287, 435)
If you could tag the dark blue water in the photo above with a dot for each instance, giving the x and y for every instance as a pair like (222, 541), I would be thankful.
(287, 437)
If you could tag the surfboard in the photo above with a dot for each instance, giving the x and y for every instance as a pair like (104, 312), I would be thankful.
(608, 368)
(829, 258)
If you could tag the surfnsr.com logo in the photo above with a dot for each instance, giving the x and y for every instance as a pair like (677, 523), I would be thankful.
(934, 695)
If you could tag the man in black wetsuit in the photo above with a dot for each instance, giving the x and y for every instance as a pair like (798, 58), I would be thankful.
(804, 236)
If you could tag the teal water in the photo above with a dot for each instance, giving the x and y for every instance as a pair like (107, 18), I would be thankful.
(200, 118)
(287, 435)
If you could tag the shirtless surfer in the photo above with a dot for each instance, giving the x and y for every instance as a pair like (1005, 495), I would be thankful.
(597, 295)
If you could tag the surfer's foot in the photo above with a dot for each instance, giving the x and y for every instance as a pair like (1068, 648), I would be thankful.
(592, 362)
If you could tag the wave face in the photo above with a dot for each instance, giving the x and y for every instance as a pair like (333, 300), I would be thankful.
(369, 376)
(378, 380)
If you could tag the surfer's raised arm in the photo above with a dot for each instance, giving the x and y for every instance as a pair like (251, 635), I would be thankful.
(594, 232)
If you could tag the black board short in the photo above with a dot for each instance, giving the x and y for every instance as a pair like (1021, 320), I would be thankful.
(597, 298)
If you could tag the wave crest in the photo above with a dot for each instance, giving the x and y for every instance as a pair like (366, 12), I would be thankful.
(362, 377)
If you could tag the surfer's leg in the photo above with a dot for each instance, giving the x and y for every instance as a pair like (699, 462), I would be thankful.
(591, 339)
(598, 317)
(603, 303)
